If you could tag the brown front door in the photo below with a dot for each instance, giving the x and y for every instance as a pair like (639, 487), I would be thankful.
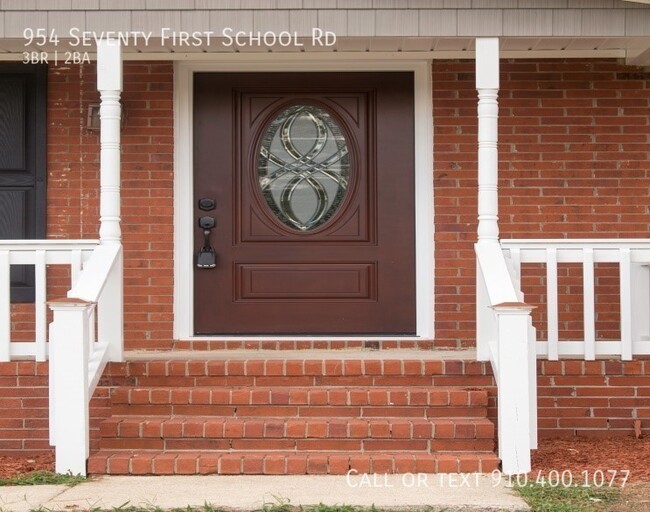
(312, 178)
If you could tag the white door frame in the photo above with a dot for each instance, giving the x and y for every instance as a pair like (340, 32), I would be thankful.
(183, 176)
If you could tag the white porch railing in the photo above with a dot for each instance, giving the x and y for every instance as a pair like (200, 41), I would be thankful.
(633, 260)
(76, 359)
(86, 332)
(506, 337)
(38, 254)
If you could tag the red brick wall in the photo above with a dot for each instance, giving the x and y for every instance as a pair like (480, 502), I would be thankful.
(24, 424)
(594, 398)
(147, 191)
(574, 163)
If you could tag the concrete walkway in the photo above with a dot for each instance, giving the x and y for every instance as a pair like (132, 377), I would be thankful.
(436, 492)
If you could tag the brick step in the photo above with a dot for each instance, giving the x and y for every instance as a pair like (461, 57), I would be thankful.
(300, 445)
(415, 402)
(313, 396)
(155, 462)
(305, 411)
(384, 428)
(293, 364)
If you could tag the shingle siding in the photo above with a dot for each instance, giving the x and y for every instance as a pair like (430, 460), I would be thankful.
(362, 18)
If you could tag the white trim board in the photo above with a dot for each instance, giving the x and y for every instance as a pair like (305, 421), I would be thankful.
(183, 175)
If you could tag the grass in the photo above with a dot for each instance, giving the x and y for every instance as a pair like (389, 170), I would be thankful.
(43, 478)
(567, 499)
(286, 507)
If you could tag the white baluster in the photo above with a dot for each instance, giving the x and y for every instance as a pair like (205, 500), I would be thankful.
(552, 318)
(76, 259)
(515, 258)
(589, 315)
(40, 305)
(625, 272)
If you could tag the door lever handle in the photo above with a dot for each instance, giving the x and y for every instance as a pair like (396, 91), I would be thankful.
(206, 258)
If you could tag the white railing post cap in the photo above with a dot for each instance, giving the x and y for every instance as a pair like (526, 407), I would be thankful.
(513, 308)
(69, 303)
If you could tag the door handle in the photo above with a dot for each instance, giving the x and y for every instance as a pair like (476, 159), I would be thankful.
(206, 258)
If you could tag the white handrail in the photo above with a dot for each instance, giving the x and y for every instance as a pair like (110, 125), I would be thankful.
(91, 283)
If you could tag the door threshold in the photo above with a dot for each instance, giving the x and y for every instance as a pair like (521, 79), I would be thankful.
(313, 342)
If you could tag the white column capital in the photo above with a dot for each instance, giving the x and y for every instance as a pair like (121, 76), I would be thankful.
(109, 65)
(487, 63)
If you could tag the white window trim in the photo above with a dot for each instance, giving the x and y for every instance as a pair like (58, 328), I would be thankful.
(183, 176)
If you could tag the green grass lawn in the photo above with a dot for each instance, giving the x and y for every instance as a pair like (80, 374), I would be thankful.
(42, 478)
(568, 499)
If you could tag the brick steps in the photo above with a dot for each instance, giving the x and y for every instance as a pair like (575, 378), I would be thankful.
(285, 463)
(286, 414)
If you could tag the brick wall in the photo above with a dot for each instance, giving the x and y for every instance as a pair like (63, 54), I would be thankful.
(574, 163)
(24, 425)
(147, 191)
(595, 398)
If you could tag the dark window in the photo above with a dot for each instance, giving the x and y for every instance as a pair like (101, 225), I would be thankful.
(22, 163)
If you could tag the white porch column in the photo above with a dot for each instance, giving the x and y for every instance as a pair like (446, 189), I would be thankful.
(487, 84)
(109, 85)
(110, 313)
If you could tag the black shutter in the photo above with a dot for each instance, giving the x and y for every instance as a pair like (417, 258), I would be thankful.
(23, 90)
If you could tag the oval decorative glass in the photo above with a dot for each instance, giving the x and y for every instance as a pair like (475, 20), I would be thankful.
(303, 166)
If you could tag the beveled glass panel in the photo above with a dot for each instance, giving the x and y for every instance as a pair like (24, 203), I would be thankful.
(303, 167)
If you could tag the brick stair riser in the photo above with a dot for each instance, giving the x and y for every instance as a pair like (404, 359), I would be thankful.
(304, 381)
(299, 412)
(190, 463)
(218, 428)
(301, 402)
(323, 445)
(312, 367)
(316, 396)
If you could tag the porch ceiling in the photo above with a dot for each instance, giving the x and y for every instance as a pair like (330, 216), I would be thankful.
(636, 50)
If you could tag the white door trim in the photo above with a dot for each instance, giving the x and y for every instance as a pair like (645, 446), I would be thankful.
(183, 175)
